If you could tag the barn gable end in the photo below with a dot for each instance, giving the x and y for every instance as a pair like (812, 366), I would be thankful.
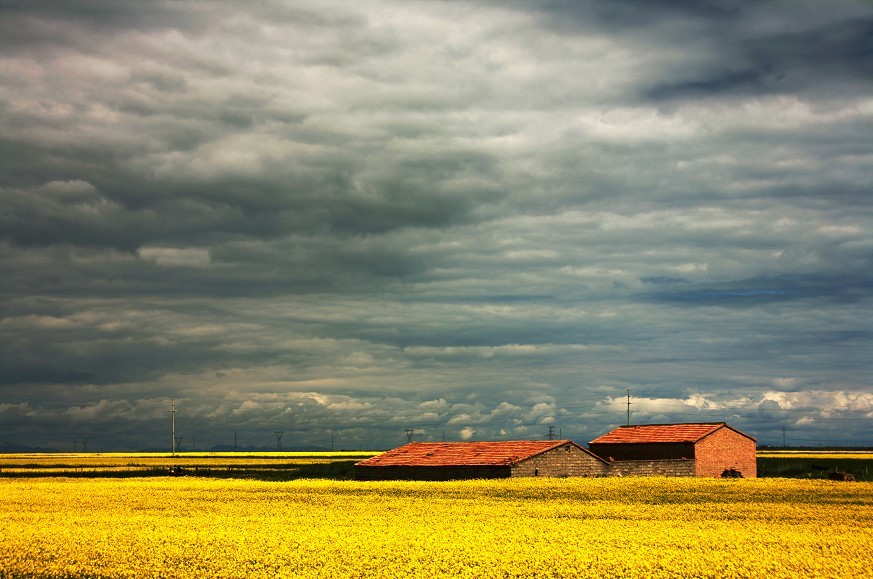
(568, 459)
(726, 449)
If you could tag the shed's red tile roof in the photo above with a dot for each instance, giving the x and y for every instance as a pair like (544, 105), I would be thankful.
(688, 432)
(500, 453)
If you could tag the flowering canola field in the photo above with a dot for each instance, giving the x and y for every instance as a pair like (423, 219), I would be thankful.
(612, 527)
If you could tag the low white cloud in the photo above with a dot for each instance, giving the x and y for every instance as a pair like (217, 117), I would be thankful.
(467, 433)
(542, 413)
(170, 256)
(439, 404)
(104, 409)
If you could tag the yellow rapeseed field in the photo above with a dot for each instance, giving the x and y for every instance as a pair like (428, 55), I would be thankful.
(641, 527)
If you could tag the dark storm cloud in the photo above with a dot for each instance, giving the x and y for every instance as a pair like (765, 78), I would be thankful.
(852, 287)
(824, 60)
(746, 49)
(475, 219)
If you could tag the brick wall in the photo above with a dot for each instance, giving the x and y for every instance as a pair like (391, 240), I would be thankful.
(725, 449)
(661, 467)
(567, 460)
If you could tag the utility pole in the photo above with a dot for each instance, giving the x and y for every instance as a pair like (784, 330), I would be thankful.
(628, 406)
(783, 437)
(84, 444)
(234, 440)
(173, 425)
(551, 434)
(410, 433)
(279, 434)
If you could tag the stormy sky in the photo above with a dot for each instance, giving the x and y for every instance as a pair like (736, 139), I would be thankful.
(474, 220)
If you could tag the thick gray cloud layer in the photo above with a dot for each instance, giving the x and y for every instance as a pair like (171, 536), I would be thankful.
(477, 220)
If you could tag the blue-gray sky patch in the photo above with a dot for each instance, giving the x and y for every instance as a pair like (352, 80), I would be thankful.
(479, 220)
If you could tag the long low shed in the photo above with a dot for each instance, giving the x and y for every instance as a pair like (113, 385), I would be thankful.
(467, 460)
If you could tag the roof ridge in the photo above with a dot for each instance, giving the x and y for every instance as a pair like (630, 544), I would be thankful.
(446, 453)
(686, 432)
(672, 424)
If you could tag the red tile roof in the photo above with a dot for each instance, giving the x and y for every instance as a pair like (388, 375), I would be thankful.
(501, 453)
(688, 432)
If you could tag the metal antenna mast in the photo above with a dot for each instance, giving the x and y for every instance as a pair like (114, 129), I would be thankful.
(173, 424)
(279, 434)
(628, 406)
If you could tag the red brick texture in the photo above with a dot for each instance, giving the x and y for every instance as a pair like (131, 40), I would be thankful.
(726, 449)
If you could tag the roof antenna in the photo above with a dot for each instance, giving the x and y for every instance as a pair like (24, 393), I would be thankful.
(628, 406)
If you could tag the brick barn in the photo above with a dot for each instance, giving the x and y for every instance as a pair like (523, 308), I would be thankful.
(468, 460)
(714, 447)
